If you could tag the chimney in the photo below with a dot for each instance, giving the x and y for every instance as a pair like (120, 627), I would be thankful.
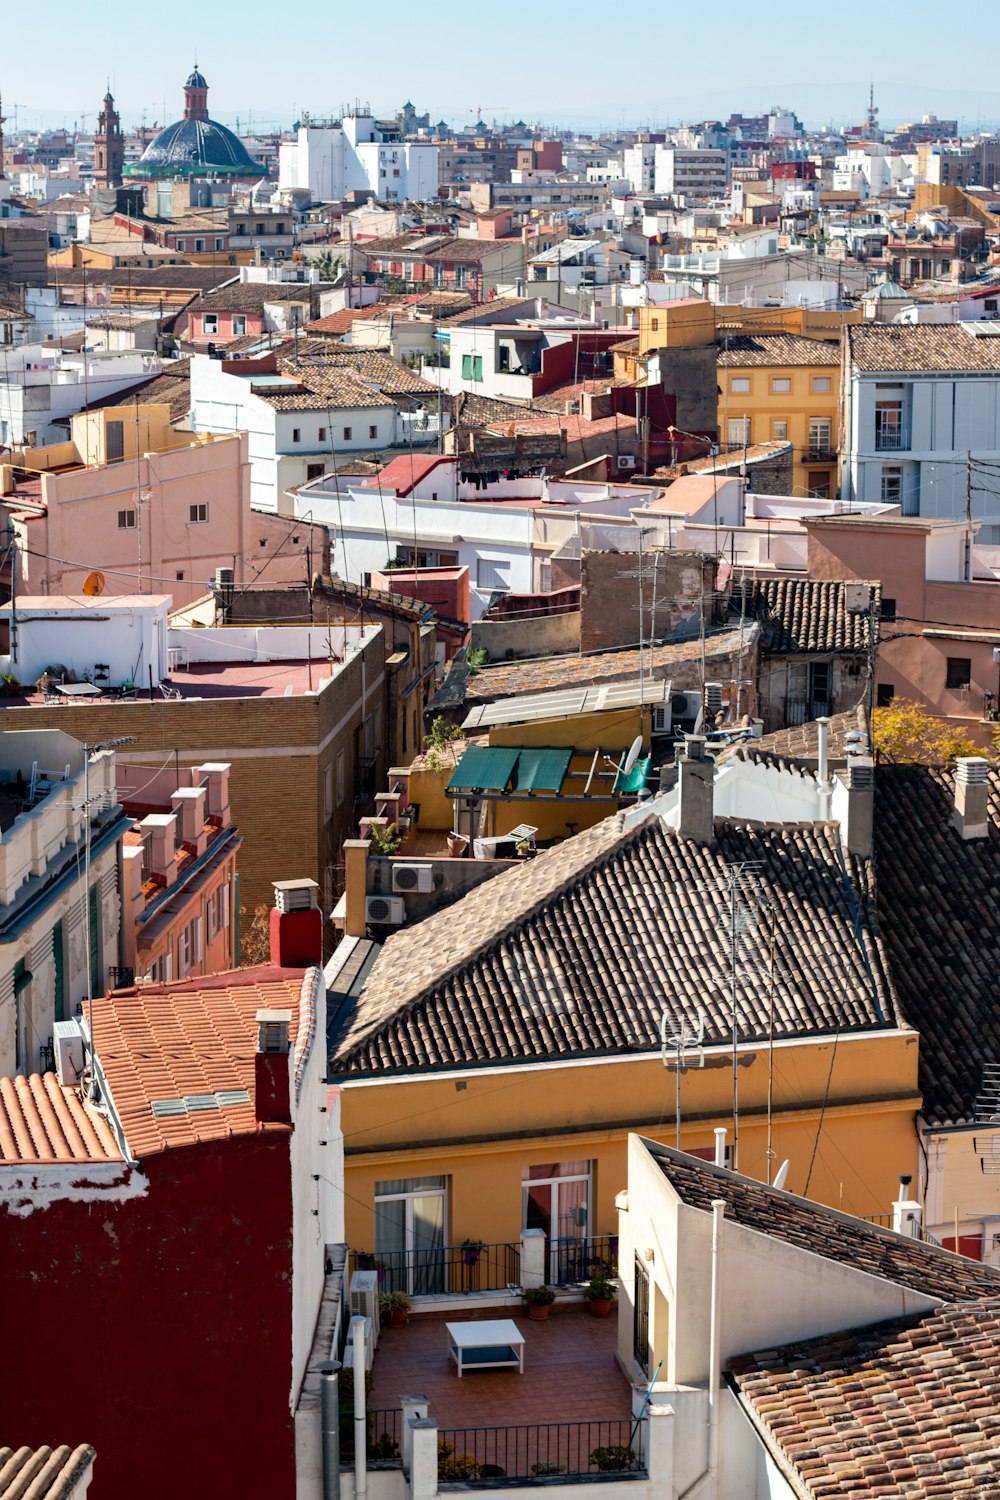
(188, 803)
(272, 1067)
(972, 790)
(859, 779)
(906, 1215)
(162, 831)
(215, 780)
(296, 930)
(697, 791)
(356, 878)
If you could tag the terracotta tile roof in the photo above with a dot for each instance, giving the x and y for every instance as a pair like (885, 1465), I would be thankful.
(805, 614)
(798, 747)
(489, 310)
(901, 1408)
(923, 1267)
(922, 346)
(250, 296)
(196, 1037)
(197, 278)
(745, 350)
(340, 322)
(724, 462)
(346, 378)
(43, 1473)
(543, 673)
(578, 951)
(483, 411)
(42, 1121)
(938, 902)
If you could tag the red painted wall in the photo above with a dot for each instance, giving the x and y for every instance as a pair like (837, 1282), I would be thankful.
(160, 1329)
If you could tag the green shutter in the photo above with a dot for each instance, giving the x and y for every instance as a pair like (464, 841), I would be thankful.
(59, 959)
(466, 366)
(477, 367)
(95, 944)
(20, 970)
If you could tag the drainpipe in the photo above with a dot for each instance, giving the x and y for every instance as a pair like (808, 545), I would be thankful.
(714, 1355)
(720, 1145)
(331, 1429)
(825, 789)
(360, 1416)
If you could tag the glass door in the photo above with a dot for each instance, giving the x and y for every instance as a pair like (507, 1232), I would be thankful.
(556, 1199)
(409, 1235)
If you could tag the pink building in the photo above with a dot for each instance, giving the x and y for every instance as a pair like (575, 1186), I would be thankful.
(179, 888)
(149, 508)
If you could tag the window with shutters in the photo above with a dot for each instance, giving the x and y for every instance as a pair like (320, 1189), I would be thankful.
(189, 951)
(492, 573)
(59, 963)
(738, 432)
(114, 441)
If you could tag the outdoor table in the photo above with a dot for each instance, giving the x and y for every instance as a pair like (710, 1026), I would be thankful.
(78, 690)
(493, 1344)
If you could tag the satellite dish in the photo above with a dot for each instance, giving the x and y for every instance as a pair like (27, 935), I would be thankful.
(634, 751)
(94, 584)
(781, 1176)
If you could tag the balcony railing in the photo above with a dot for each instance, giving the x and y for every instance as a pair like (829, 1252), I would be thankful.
(889, 439)
(573, 1261)
(121, 978)
(552, 1450)
(821, 453)
(383, 1443)
(449, 1270)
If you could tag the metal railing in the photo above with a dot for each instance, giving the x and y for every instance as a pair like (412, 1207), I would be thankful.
(889, 439)
(121, 978)
(448, 1270)
(573, 1261)
(549, 1450)
(385, 1450)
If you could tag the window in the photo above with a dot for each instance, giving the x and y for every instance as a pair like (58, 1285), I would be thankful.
(779, 431)
(887, 609)
(241, 229)
(239, 325)
(555, 1197)
(114, 441)
(640, 1317)
(341, 777)
(258, 229)
(126, 520)
(819, 485)
(210, 323)
(373, 431)
(217, 911)
(820, 436)
(199, 246)
(180, 575)
(189, 950)
(738, 432)
(218, 244)
(296, 434)
(321, 434)
(199, 514)
(780, 385)
(348, 433)
(892, 485)
(739, 385)
(313, 471)
(161, 971)
(472, 367)
(409, 1234)
(654, 325)
(821, 385)
(959, 673)
(378, 728)
(884, 694)
(492, 573)
(889, 425)
(328, 793)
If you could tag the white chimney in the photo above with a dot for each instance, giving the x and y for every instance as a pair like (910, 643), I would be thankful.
(906, 1215)
(972, 791)
(272, 1030)
(696, 778)
(859, 779)
(162, 831)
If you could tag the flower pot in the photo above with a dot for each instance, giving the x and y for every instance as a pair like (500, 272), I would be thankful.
(600, 1306)
(539, 1311)
(397, 1317)
(457, 845)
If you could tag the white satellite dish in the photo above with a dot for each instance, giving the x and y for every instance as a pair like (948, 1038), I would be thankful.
(781, 1176)
(634, 751)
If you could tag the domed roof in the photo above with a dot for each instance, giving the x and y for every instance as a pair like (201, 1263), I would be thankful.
(192, 147)
(196, 80)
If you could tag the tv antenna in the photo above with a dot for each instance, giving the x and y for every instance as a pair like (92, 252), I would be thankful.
(681, 1049)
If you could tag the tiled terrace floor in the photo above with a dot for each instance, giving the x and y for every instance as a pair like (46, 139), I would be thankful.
(570, 1373)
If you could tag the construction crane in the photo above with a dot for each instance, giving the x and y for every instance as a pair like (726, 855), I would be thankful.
(478, 111)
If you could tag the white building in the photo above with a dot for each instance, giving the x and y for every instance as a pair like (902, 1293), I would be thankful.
(48, 630)
(639, 166)
(358, 154)
(39, 384)
(922, 420)
(59, 907)
(869, 171)
(690, 173)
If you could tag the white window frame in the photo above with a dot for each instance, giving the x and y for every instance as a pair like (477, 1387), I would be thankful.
(738, 431)
(126, 520)
(198, 513)
(239, 324)
(739, 385)
(485, 566)
(210, 322)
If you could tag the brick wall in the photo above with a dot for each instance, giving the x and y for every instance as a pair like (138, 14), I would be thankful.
(609, 597)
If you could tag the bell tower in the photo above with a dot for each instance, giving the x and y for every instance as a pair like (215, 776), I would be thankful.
(109, 146)
(196, 97)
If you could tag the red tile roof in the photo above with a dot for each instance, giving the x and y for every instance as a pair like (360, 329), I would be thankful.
(402, 474)
(42, 1121)
(44, 1473)
(196, 1037)
(340, 322)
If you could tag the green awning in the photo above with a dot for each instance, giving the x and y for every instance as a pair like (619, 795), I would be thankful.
(542, 770)
(634, 782)
(484, 768)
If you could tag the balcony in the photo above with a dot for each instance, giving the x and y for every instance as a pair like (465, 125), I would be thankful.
(459, 1270)
(821, 453)
(890, 439)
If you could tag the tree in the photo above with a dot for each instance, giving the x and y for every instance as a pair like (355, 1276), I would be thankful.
(255, 938)
(904, 731)
(328, 264)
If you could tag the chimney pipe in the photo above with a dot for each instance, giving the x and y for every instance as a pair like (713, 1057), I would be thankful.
(330, 1396)
(720, 1145)
(823, 768)
(696, 783)
(859, 779)
(972, 791)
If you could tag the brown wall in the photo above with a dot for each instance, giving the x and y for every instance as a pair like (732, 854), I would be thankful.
(609, 597)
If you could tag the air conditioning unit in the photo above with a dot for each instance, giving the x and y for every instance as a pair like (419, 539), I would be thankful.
(713, 697)
(626, 461)
(67, 1043)
(685, 712)
(385, 911)
(363, 1298)
(413, 878)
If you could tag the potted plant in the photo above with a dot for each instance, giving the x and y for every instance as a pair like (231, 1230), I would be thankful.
(394, 1306)
(539, 1300)
(616, 1458)
(471, 1251)
(600, 1294)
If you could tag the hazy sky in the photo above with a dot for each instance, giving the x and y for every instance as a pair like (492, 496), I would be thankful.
(583, 63)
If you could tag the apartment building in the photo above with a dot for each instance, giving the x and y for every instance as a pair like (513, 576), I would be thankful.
(357, 154)
(779, 387)
(690, 173)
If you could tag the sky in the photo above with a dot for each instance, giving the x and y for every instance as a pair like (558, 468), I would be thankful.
(583, 64)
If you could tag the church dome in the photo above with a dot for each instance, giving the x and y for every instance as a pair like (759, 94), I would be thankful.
(195, 146)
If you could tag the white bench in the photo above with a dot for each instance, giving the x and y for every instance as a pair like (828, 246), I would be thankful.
(493, 1344)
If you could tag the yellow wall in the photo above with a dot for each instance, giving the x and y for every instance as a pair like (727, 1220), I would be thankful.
(928, 196)
(480, 1131)
(764, 406)
(957, 1184)
(687, 323)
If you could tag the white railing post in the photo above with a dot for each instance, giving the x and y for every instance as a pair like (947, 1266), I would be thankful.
(414, 1408)
(532, 1257)
(423, 1458)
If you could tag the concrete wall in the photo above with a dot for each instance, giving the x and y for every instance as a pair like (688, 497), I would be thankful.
(543, 635)
(609, 598)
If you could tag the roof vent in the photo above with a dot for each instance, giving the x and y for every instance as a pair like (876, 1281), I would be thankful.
(272, 1030)
(296, 895)
(972, 770)
(861, 775)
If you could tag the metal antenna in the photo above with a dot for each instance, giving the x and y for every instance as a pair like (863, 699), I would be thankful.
(680, 1050)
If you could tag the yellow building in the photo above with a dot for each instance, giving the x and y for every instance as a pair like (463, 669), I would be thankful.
(779, 387)
(494, 1060)
(691, 321)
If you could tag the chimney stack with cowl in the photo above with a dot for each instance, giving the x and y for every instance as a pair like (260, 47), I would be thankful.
(972, 794)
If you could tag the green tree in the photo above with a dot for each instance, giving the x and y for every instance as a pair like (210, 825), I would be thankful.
(904, 731)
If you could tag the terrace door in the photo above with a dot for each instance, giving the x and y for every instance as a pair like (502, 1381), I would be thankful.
(556, 1199)
(409, 1235)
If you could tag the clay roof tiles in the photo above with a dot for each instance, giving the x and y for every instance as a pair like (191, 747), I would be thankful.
(43, 1473)
(544, 673)
(579, 951)
(909, 1407)
(746, 350)
(919, 347)
(42, 1121)
(806, 614)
